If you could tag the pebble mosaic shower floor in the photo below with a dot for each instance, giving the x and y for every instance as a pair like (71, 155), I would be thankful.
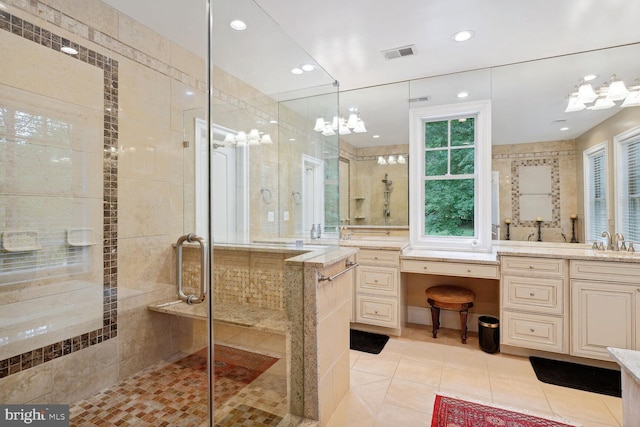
(174, 393)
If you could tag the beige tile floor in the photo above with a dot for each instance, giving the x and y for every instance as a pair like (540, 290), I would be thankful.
(397, 387)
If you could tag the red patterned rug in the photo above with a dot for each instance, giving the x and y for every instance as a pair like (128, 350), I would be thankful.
(450, 412)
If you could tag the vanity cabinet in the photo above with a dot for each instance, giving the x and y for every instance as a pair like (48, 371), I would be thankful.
(534, 303)
(378, 295)
(604, 300)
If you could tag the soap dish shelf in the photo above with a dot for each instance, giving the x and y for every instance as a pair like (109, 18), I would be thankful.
(80, 237)
(21, 241)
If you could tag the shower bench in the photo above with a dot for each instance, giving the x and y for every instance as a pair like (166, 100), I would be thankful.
(262, 319)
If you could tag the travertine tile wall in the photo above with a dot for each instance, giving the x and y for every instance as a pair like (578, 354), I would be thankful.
(145, 78)
(333, 302)
(561, 157)
(367, 190)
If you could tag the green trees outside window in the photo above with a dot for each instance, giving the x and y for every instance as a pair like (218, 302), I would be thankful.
(449, 180)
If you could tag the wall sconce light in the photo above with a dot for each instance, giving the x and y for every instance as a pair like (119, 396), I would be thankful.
(604, 96)
(392, 160)
(241, 139)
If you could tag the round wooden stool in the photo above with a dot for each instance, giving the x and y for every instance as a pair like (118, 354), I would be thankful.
(448, 297)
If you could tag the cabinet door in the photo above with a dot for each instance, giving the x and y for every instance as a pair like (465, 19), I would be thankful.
(602, 315)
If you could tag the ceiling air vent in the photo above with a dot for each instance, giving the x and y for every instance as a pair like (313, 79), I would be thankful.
(419, 99)
(399, 52)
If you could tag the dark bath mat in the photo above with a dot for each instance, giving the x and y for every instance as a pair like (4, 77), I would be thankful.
(367, 341)
(581, 377)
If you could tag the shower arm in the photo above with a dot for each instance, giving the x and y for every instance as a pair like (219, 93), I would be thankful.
(190, 238)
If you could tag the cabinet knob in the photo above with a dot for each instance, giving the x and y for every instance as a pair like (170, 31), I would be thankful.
(425, 267)
(376, 312)
(532, 294)
(531, 267)
(375, 281)
(375, 257)
(532, 330)
(468, 270)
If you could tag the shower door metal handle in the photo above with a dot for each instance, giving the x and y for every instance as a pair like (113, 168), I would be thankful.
(190, 238)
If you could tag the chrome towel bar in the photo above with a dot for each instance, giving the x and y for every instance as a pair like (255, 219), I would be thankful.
(350, 266)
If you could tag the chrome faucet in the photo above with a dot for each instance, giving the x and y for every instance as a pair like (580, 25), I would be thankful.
(609, 242)
(617, 238)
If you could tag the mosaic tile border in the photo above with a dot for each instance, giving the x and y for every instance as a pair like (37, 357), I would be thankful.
(29, 359)
(555, 191)
(530, 155)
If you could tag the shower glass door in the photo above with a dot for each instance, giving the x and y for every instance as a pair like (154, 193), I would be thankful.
(96, 187)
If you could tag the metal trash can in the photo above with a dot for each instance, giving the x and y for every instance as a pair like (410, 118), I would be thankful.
(489, 334)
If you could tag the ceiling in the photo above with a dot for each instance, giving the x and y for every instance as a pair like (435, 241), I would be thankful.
(346, 39)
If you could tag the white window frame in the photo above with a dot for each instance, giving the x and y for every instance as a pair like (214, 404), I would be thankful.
(603, 148)
(621, 178)
(481, 242)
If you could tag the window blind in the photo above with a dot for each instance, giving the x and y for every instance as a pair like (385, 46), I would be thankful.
(630, 190)
(596, 195)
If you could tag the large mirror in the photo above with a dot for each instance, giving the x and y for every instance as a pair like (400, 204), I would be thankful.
(538, 146)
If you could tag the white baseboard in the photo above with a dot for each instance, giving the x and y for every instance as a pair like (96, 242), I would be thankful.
(448, 319)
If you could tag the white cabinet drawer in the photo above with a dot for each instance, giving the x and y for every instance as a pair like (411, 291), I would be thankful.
(450, 268)
(540, 294)
(624, 272)
(542, 332)
(375, 257)
(377, 311)
(529, 266)
(378, 280)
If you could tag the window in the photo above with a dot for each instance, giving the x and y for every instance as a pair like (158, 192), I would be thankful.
(595, 193)
(627, 150)
(451, 146)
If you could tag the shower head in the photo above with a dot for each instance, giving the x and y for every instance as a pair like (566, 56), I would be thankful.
(386, 179)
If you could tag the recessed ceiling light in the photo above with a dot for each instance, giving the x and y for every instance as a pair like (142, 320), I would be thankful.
(376, 136)
(273, 122)
(238, 25)
(292, 139)
(296, 71)
(462, 94)
(564, 128)
(308, 67)
(462, 36)
(69, 50)
(590, 77)
(189, 93)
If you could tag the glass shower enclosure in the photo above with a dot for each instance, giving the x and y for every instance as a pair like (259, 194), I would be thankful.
(120, 133)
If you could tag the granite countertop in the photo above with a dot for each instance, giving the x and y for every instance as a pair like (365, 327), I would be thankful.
(451, 256)
(629, 360)
(575, 251)
(381, 243)
(324, 258)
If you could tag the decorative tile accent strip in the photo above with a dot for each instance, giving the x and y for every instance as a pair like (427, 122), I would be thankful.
(109, 66)
(541, 154)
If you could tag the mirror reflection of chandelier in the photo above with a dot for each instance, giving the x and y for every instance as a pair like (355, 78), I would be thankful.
(254, 137)
(341, 125)
(604, 96)
(392, 160)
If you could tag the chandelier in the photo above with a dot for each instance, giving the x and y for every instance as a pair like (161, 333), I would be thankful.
(341, 125)
(605, 96)
(254, 137)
